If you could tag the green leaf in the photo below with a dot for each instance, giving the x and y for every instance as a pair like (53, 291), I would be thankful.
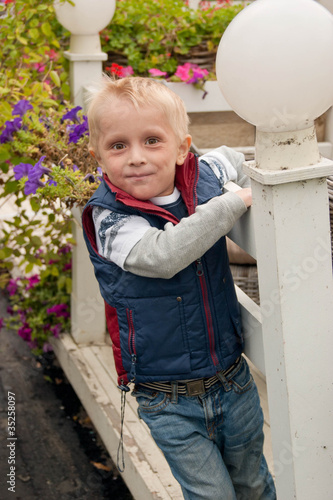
(47, 30)
(55, 78)
(29, 268)
(35, 206)
(11, 187)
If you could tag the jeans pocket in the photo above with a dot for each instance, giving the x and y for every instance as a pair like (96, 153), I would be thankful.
(150, 401)
(242, 381)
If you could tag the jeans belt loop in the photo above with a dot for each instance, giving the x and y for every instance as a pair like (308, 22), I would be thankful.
(224, 381)
(174, 392)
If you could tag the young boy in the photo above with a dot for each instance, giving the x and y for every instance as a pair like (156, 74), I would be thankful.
(155, 233)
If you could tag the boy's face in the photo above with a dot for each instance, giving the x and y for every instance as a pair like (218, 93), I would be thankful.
(138, 149)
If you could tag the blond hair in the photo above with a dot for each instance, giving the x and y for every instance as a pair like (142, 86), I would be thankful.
(141, 92)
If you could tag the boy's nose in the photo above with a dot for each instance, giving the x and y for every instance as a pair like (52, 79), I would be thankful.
(137, 157)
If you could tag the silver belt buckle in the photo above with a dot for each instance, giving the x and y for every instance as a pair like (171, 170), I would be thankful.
(195, 388)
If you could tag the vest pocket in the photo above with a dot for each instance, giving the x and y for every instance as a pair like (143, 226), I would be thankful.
(153, 338)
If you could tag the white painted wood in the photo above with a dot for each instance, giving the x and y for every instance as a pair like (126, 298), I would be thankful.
(83, 70)
(296, 290)
(252, 330)
(87, 305)
(90, 370)
(325, 148)
(192, 97)
(242, 232)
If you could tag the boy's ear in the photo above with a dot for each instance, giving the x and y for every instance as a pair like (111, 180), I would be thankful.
(184, 149)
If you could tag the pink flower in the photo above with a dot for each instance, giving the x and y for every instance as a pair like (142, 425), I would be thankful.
(126, 71)
(183, 72)
(39, 67)
(156, 72)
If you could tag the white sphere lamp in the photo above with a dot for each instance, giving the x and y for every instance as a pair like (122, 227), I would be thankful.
(274, 64)
(85, 20)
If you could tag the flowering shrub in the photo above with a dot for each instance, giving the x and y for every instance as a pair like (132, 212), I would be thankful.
(40, 304)
(165, 34)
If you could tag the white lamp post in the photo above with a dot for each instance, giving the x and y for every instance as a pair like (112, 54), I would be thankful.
(84, 20)
(275, 69)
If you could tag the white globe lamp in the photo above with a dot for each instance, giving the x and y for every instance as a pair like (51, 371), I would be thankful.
(85, 20)
(274, 67)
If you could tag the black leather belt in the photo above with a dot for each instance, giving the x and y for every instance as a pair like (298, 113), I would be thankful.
(191, 387)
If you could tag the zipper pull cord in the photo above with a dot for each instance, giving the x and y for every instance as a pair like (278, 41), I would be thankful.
(120, 451)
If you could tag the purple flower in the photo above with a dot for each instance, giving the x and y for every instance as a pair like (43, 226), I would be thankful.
(89, 178)
(67, 267)
(25, 332)
(22, 170)
(65, 249)
(2, 322)
(47, 347)
(52, 182)
(31, 186)
(72, 114)
(60, 310)
(10, 127)
(75, 168)
(78, 131)
(38, 170)
(21, 107)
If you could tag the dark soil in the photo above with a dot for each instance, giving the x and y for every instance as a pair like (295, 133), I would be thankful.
(57, 452)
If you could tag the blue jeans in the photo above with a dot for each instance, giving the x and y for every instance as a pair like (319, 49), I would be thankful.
(214, 442)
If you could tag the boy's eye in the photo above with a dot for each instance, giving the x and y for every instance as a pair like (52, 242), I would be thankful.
(117, 146)
(152, 140)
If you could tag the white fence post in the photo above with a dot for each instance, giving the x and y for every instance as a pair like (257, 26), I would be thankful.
(85, 20)
(292, 234)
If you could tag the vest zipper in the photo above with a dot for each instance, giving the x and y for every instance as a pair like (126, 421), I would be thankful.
(131, 345)
(209, 323)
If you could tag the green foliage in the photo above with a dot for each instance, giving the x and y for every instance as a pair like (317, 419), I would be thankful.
(164, 33)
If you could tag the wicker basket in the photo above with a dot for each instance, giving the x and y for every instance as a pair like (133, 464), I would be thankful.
(246, 277)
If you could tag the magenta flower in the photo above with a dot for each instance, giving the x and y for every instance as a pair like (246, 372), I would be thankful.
(55, 330)
(32, 281)
(12, 287)
(21, 107)
(60, 310)
(25, 332)
(67, 267)
(2, 322)
(156, 72)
